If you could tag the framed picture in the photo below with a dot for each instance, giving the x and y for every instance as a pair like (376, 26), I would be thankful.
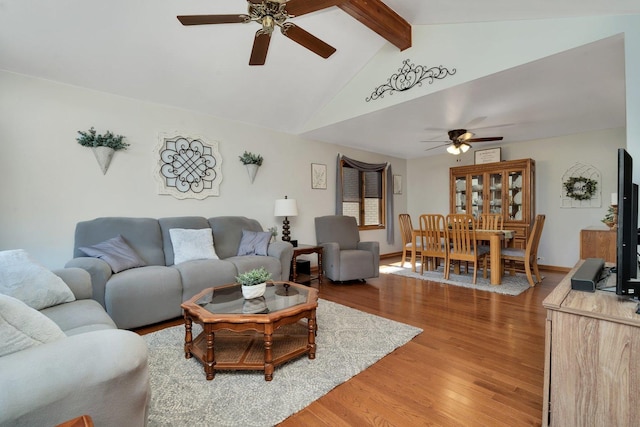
(491, 155)
(318, 176)
(397, 184)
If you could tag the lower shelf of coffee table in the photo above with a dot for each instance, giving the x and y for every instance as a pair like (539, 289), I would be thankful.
(245, 350)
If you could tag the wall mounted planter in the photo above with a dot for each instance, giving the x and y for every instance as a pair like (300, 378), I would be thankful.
(103, 156)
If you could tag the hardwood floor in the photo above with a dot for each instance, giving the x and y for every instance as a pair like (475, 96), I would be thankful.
(479, 361)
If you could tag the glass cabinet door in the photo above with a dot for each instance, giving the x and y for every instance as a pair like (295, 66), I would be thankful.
(477, 195)
(461, 194)
(495, 193)
(514, 196)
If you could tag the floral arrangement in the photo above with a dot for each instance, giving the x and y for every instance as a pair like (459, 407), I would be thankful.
(610, 217)
(249, 158)
(253, 277)
(91, 139)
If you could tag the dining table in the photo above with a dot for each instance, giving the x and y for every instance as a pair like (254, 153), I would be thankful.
(495, 238)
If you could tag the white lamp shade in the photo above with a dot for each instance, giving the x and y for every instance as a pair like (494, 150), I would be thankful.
(285, 207)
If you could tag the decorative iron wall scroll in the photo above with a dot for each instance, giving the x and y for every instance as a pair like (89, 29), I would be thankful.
(581, 187)
(408, 76)
(188, 167)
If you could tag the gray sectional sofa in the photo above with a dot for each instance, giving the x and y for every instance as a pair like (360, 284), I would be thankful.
(96, 369)
(153, 293)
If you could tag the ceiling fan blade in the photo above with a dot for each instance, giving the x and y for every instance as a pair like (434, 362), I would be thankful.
(260, 48)
(439, 146)
(493, 138)
(307, 40)
(212, 19)
(302, 7)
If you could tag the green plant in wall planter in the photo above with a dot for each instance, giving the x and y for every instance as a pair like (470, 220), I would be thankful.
(252, 163)
(254, 282)
(103, 146)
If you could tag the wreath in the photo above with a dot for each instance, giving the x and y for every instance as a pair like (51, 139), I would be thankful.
(580, 188)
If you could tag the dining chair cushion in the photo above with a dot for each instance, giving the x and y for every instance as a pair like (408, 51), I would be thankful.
(482, 249)
(514, 252)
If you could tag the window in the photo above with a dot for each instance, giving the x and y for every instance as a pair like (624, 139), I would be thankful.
(363, 196)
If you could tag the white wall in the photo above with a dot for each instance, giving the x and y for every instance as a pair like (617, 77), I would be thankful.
(50, 182)
(560, 244)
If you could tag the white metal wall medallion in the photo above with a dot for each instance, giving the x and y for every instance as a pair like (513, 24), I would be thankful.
(188, 168)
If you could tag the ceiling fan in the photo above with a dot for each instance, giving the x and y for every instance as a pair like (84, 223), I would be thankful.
(271, 14)
(460, 139)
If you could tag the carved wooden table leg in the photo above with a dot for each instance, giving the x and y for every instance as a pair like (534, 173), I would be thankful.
(188, 337)
(209, 360)
(311, 324)
(268, 357)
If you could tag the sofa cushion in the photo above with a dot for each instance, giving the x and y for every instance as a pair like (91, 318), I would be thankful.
(142, 234)
(254, 243)
(189, 245)
(79, 316)
(202, 274)
(25, 279)
(115, 252)
(188, 222)
(227, 233)
(249, 262)
(142, 296)
(22, 327)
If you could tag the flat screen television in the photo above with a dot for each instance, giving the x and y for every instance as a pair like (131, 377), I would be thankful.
(627, 282)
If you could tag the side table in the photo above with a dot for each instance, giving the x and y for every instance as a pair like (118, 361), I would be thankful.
(304, 250)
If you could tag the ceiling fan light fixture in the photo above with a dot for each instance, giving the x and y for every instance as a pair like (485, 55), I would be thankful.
(268, 24)
(458, 148)
(452, 149)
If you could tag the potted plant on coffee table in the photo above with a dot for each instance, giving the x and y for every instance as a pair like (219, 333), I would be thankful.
(254, 282)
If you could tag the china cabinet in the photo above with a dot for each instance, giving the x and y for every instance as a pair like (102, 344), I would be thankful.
(506, 188)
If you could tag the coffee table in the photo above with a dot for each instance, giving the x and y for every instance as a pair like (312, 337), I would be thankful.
(255, 334)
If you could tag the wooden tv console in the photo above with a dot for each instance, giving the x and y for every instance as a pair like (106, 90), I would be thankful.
(592, 358)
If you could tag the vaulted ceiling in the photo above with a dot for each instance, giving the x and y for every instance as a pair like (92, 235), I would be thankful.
(140, 50)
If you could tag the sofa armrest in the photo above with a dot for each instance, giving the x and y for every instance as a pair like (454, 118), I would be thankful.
(373, 247)
(78, 280)
(103, 374)
(284, 252)
(100, 273)
(331, 259)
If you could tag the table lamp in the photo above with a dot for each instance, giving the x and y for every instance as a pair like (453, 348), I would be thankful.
(285, 207)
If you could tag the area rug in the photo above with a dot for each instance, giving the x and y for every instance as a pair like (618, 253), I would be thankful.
(511, 285)
(348, 342)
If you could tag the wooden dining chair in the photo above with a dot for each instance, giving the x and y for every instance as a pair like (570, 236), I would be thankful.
(490, 222)
(432, 236)
(461, 236)
(529, 255)
(406, 230)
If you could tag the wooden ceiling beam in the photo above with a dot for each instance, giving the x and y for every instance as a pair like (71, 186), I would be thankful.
(382, 19)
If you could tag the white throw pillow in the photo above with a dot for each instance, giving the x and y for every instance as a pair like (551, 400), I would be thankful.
(22, 327)
(25, 279)
(189, 245)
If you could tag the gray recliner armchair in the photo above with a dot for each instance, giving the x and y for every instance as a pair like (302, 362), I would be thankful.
(345, 257)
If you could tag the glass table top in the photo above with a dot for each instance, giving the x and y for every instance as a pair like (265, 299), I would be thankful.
(229, 299)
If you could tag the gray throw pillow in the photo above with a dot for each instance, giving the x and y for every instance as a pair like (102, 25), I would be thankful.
(22, 327)
(115, 252)
(254, 243)
(24, 278)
